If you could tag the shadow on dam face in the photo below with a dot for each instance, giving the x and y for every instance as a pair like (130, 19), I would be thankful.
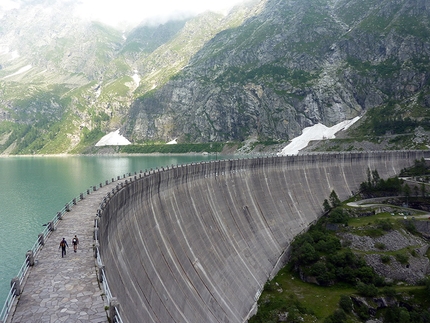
(197, 243)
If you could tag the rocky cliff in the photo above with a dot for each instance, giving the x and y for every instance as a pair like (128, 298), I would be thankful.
(266, 70)
(295, 64)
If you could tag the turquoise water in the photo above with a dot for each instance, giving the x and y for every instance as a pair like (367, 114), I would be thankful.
(34, 189)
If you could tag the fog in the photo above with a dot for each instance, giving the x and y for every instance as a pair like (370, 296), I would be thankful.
(117, 13)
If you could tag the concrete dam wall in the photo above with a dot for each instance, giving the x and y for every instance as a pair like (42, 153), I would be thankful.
(196, 243)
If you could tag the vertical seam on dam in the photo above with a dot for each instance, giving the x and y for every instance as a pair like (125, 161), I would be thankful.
(196, 264)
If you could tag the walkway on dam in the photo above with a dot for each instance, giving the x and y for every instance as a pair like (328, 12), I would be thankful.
(202, 239)
(66, 289)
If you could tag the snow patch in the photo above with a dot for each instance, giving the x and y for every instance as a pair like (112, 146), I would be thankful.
(315, 132)
(136, 79)
(4, 49)
(14, 55)
(20, 71)
(113, 139)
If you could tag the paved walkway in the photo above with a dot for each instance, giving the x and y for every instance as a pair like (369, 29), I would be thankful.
(373, 202)
(66, 289)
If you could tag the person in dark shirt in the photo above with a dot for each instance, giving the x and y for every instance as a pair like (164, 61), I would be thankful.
(63, 245)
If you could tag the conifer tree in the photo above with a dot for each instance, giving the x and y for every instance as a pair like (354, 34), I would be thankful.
(334, 200)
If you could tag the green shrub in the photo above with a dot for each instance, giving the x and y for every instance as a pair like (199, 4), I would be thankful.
(363, 312)
(379, 281)
(427, 284)
(307, 254)
(385, 225)
(334, 199)
(389, 291)
(410, 226)
(345, 303)
(374, 232)
(337, 215)
(367, 290)
(324, 275)
(173, 149)
(378, 186)
(366, 274)
(329, 245)
(269, 286)
(397, 314)
(380, 245)
(339, 316)
(319, 253)
(385, 259)
(269, 309)
(420, 168)
(402, 258)
(326, 206)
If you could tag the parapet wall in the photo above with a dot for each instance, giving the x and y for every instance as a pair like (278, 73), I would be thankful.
(197, 243)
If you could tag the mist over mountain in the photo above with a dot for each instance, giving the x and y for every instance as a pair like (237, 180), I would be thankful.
(265, 71)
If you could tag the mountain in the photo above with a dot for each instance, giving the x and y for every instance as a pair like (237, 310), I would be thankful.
(266, 70)
(295, 64)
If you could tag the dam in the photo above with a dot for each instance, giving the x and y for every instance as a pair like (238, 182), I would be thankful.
(197, 243)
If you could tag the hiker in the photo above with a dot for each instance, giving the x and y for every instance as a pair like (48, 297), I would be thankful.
(63, 245)
(75, 242)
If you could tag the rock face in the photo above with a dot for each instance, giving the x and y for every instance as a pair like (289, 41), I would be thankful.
(266, 70)
(412, 272)
(295, 64)
(392, 241)
(413, 268)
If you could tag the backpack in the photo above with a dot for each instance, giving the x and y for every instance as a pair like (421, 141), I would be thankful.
(74, 241)
(62, 243)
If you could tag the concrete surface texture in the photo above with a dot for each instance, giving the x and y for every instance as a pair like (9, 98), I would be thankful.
(197, 243)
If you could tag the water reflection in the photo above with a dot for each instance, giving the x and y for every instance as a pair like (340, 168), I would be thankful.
(34, 189)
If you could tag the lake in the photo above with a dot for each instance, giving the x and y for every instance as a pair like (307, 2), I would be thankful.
(34, 189)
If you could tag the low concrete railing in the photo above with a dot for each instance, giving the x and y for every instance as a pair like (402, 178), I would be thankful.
(114, 306)
(17, 283)
(114, 312)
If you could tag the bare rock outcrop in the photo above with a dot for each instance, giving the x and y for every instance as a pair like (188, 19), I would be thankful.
(409, 265)
(392, 241)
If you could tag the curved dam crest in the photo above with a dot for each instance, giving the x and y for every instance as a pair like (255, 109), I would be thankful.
(197, 243)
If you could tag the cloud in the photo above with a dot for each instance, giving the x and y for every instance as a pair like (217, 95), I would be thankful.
(128, 12)
(8, 5)
(133, 12)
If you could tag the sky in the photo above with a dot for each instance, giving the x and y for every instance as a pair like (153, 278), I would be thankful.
(113, 12)
(116, 12)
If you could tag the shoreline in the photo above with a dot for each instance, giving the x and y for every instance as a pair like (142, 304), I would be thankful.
(122, 155)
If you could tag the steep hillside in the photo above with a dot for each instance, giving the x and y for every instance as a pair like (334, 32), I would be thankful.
(266, 70)
(65, 82)
(296, 64)
(50, 62)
